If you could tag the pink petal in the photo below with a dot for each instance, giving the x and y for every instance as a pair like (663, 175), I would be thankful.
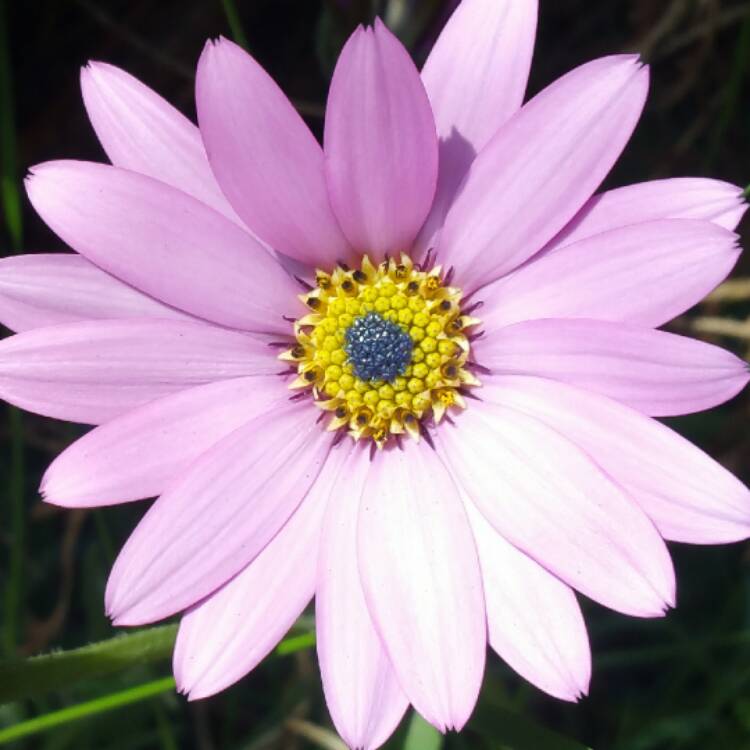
(534, 621)
(164, 242)
(644, 274)
(265, 158)
(380, 144)
(541, 167)
(689, 496)
(142, 132)
(93, 371)
(227, 507)
(361, 690)
(45, 290)
(546, 497)
(658, 373)
(679, 198)
(227, 635)
(475, 78)
(138, 454)
(421, 579)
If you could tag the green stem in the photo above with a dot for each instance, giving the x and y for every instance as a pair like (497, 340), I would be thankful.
(84, 710)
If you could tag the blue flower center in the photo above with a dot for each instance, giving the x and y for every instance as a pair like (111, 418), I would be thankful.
(377, 348)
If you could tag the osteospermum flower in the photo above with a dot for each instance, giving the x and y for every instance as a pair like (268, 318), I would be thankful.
(434, 489)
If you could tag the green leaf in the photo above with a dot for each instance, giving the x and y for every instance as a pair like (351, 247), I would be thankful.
(24, 678)
(55, 719)
(40, 674)
(295, 643)
(422, 736)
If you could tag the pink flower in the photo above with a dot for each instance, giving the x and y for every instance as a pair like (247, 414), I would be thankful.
(554, 476)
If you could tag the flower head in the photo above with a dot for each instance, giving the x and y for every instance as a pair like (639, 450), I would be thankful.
(464, 434)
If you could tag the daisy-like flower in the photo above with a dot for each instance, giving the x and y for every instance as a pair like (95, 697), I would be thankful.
(433, 488)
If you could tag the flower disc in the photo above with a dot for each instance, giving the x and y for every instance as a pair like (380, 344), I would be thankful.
(383, 348)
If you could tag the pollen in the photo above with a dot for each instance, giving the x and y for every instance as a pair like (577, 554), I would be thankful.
(383, 349)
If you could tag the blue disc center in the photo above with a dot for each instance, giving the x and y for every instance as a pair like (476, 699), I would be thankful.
(377, 348)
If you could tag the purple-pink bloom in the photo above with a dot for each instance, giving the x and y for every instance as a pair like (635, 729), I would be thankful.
(161, 330)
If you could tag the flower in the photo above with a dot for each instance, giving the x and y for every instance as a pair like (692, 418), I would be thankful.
(491, 474)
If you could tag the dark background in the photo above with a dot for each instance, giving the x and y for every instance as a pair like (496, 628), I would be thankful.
(681, 682)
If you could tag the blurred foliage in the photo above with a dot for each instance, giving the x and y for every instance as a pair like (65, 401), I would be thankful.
(679, 683)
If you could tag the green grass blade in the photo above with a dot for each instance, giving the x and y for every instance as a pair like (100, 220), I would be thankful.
(14, 500)
(8, 176)
(86, 710)
(235, 25)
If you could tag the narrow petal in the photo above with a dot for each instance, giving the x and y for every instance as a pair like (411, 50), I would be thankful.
(678, 198)
(207, 527)
(549, 499)
(361, 689)
(422, 582)
(645, 274)
(227, 635)
(46, 290)
(533, 618)
(541, 167)
(163, 242)
(93, 371)
(142, 132)
(475, 77)
(658, 373)
(264, 156)
(380, 144)
(142, 452)
(689, 496)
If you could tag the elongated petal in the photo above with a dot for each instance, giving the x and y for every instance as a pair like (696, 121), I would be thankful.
(93, 371)
(362, 693)
(541, 167)
(46, 290)
(677, 198)
(422, 582)
(476, 73)
(138, 454)
(689, 496)
(658, 373)
(217, 519)
(380, 144)
(534, 621)
(224, 637)
(265, 158)
(549, 499)
(645, 274)
(163, 242)
(475, 77)
(141, 131)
